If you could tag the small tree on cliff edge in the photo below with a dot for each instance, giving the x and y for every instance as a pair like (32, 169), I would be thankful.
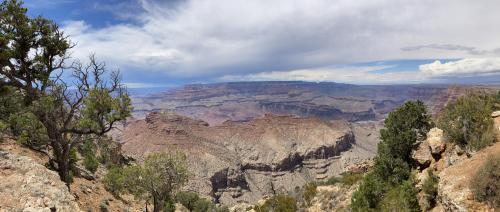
(157, 179)
(33, 57)
(390, 179)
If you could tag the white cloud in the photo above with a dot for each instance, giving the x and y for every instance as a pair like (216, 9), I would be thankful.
(349, 74)
(465, 67)
(239, 37)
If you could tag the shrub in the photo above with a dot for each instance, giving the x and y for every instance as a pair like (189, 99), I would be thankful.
(332, 180)
(369, 194)
(401, 198)
(193, 202)
(391, 180)
(188, 199)
(347, 178)
(351, 178)
(28, 130)
(467, 121)
(486, 182)
(89, 156)
(114, 180)
(309, 192)
(430, 189)
(279, 203)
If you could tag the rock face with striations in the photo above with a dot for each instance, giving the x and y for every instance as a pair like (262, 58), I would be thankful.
(243, 161)
(28, 186)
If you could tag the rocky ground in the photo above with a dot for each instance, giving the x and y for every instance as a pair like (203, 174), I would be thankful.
(26, 185)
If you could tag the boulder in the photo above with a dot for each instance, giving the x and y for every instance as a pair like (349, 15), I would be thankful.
(436, 141)
(28, 186)
(422, 155)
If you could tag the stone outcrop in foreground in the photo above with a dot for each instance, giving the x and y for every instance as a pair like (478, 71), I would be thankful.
(28, 186)
(455, 170)
(244, 161)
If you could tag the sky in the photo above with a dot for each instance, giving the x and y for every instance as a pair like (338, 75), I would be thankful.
(162, 43)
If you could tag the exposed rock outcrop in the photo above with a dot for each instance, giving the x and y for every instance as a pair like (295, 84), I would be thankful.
(244, 161)
(436, 141)
(28, 186)
(454, 169)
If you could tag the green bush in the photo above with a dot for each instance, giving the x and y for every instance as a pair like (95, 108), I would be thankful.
(279, 203)
(369, 194)
(188, 199)
(28, 130)
(351, 178)
(309, 192)
(430, 189)
(401, 198)
(347, 178)
(486, 182)
(391, 181)
(193, 202)
(332, 181)
(89, 156)
(467, 121)
(114, 181)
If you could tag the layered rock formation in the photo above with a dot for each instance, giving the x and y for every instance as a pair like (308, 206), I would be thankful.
(244, 161)
(28, 186)
(243, 101)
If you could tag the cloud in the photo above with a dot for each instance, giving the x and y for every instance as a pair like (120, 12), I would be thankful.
(216, 38)
(463, 67)
(348, 74)
(452, 47)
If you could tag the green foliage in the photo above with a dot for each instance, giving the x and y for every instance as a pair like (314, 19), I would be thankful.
(401, 198)
(467, 121)
(486, 182)
(402, 128)
(10, 103)
(41, 107)
(161, 175)
(369, 194)
(390, 180)
(332, 180)
(28, 130)
(188, 199)
(429, 186)
(114, 181)
(309, 192)
(89, 156)
(279, 203)
(347, 178)
(351, 178)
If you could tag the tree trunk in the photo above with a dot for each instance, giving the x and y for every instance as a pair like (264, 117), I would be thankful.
(158, 204)
(64, 171)
(62, 157)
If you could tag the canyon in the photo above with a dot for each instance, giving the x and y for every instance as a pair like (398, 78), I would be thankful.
(248, 140)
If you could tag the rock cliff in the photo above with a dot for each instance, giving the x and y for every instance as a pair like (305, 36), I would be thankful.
(455, 170)
(28, 186)
(244, 161)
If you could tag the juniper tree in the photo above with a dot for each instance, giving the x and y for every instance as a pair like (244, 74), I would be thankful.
(34, 57)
